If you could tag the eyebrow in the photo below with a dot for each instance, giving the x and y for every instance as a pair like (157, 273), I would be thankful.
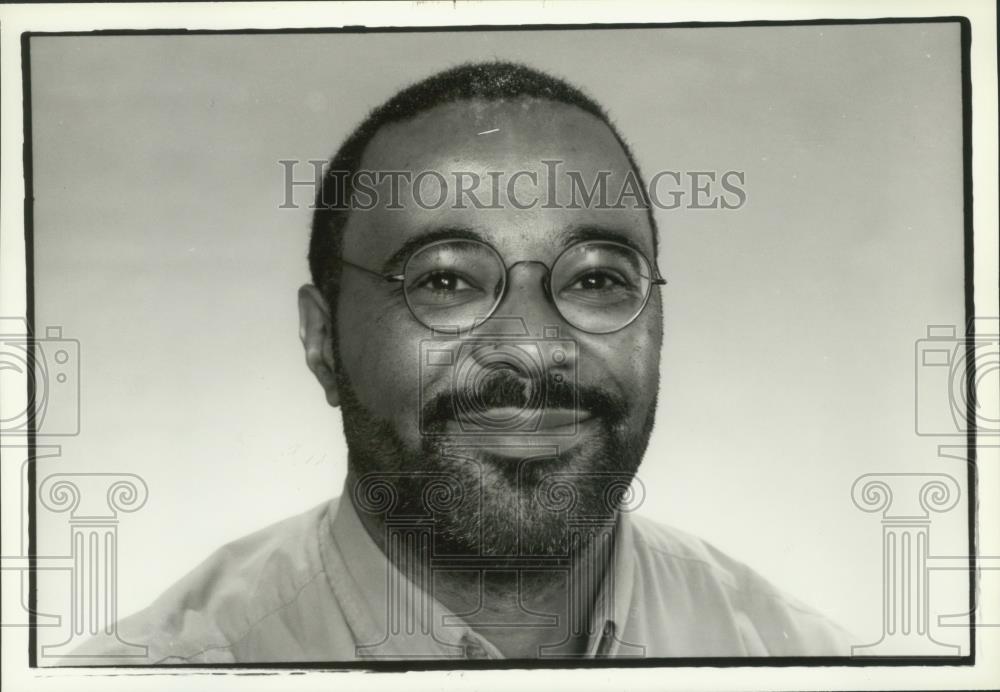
(585, 232)
(567, 237)
(426, 238)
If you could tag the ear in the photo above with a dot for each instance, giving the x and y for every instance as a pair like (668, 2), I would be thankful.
(316, 334)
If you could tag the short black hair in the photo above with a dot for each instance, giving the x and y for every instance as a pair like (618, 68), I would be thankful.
(489, 81)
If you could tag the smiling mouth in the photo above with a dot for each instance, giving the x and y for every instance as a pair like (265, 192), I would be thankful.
(503, 420)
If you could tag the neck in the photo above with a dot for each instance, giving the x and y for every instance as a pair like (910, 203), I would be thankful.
(519, 605)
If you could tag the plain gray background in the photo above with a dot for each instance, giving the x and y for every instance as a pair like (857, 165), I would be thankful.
(788, 363)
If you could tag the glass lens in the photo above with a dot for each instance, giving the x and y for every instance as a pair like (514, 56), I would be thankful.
(600, 287)
(453, 283)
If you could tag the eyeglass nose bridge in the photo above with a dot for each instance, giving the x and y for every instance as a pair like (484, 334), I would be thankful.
(546, 282)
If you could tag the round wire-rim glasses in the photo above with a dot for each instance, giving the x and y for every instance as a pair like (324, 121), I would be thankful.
(603, 321)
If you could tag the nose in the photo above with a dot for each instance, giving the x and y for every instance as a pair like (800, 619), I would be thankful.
(527, 311)
(527, 299)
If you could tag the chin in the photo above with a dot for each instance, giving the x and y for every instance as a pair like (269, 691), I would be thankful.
(528, 506)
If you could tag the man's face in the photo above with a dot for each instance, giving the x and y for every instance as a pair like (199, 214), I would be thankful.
(400, 415)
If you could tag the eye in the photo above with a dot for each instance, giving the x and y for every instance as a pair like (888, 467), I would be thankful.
(444, 282)
(598, 287)
(596, 280)
(443, 288)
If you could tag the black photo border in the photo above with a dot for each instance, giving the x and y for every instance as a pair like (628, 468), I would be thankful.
(447, 664)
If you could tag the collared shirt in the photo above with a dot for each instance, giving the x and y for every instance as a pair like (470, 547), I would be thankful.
(317, 588)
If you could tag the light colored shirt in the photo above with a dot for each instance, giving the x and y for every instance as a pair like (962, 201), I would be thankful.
(317, 588)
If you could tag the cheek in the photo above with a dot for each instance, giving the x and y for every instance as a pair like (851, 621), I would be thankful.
(379, 352)
(627, 362)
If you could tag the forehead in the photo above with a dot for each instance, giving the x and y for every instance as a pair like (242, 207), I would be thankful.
(498, 131)
(509, 145)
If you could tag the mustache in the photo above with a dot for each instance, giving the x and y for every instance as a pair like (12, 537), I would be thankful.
(507, 388)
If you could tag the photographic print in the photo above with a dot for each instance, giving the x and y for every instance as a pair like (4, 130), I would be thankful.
(546, 346)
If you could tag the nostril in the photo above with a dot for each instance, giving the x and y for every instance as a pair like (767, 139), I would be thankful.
(505, 367)
(504, 386)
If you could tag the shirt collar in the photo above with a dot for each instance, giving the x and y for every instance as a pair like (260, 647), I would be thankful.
(614, 599)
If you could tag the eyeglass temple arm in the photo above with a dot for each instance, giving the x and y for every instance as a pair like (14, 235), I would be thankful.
(386, 277)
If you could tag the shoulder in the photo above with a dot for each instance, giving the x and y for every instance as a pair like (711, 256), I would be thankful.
(202, 616)
(728, 593)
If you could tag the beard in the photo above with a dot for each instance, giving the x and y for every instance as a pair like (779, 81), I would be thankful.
(535, 502)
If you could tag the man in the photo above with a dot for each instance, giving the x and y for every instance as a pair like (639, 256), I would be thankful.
(493, 345)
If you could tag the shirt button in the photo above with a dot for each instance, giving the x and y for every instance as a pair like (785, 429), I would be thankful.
(473, 649)
(607, 639)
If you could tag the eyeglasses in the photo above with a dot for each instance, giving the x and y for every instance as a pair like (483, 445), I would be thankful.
(597, 286)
